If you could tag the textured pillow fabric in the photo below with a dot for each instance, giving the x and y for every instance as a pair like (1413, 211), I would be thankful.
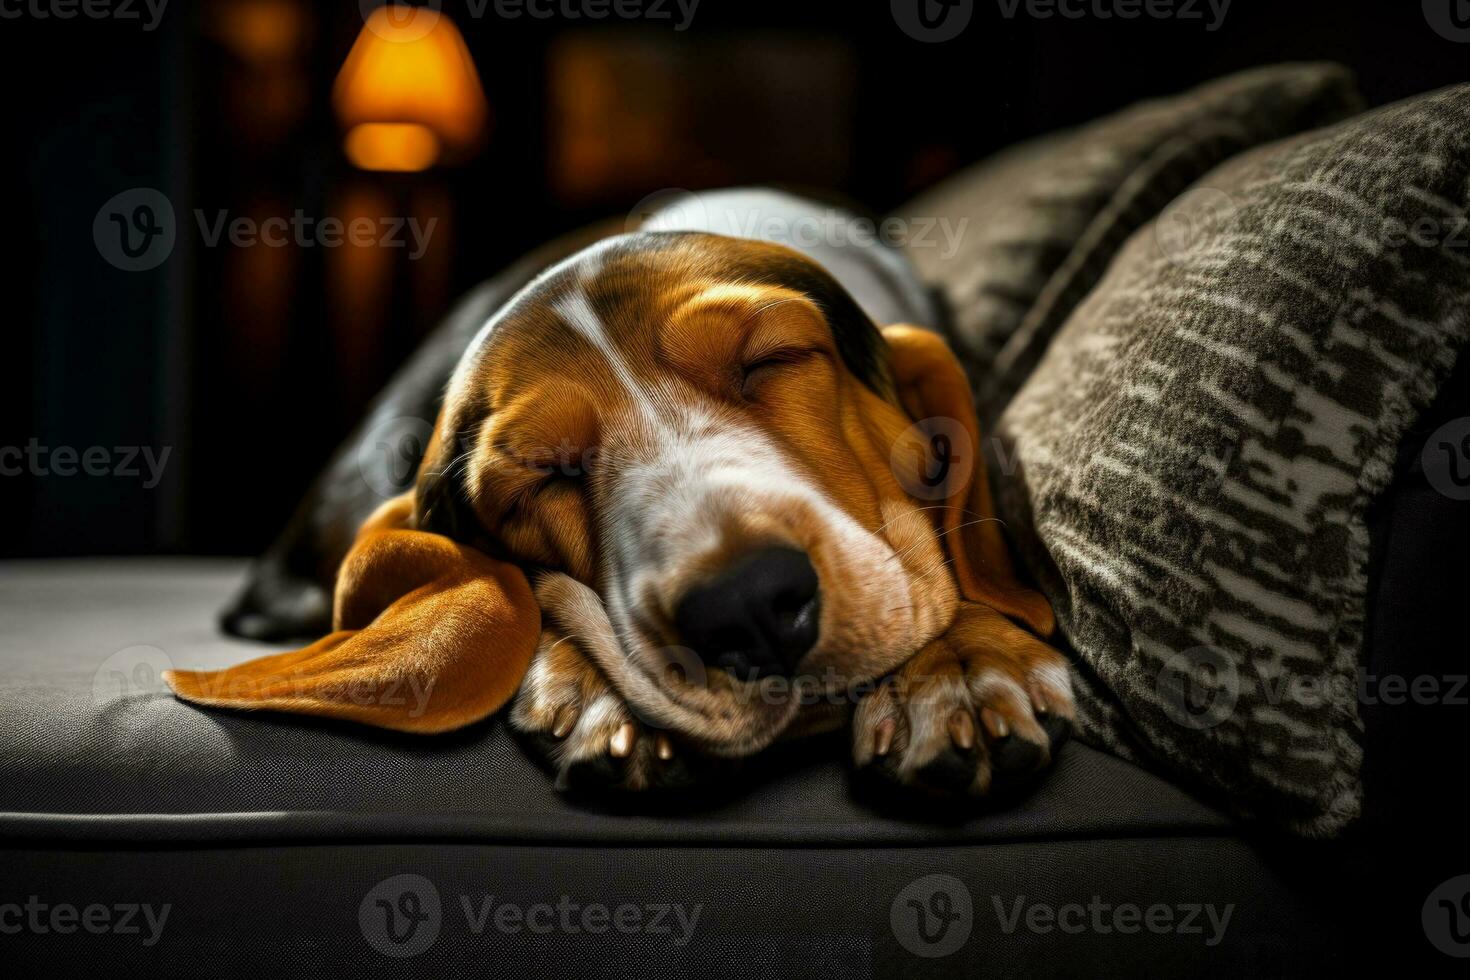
(1192, 462)
(1044, 218)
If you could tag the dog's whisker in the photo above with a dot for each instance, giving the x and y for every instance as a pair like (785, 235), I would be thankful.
(919, 510)
(983, 520)
(933, 571)
(957, 527)
(908, 513)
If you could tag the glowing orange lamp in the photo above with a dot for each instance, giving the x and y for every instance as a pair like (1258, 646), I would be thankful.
(408, 94)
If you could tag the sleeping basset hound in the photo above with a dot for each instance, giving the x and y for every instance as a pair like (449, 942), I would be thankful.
(682, 499)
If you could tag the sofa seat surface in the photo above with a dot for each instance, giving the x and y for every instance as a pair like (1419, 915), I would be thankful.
(95, 744)
(249, 825)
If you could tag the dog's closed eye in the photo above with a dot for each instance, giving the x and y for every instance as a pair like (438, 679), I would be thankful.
(767, 365)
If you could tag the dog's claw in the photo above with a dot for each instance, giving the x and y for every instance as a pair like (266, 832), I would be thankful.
(585, 732)
(620, 745)
(962, 729)
(883, 737)
(995, 723)
(966, 716)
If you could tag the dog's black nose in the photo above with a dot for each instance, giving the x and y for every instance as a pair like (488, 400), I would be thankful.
(756, 617)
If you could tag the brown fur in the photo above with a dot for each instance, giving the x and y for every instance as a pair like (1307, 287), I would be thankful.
(539, 425)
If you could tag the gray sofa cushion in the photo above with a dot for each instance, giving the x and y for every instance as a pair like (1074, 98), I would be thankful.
(1193, 460)
(95, 746)
(270, 838)
(1043, 219)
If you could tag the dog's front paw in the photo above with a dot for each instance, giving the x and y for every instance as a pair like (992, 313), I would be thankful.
(978, 710)
(587, 734)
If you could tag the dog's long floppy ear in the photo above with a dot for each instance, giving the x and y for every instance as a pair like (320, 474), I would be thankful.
(429, 635)
(932, 386)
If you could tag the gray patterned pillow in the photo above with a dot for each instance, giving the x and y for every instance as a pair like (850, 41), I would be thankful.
(1044, 218)
(1194, 457)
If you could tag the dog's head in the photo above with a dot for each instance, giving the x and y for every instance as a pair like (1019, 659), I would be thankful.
(725, 483)
(707, 454)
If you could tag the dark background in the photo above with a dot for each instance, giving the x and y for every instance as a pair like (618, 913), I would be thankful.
(248, 364)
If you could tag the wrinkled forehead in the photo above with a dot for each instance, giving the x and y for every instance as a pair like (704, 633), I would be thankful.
(606, 319)
(602, 319)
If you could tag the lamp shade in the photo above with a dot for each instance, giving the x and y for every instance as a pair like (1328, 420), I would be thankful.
(408, 94)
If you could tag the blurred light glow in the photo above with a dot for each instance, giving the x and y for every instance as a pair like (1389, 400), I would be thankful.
(400, 147)
(260, 31)
(421, 82)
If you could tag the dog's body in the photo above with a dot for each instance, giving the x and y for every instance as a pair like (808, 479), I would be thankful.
(289, 592)
(716, 472)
